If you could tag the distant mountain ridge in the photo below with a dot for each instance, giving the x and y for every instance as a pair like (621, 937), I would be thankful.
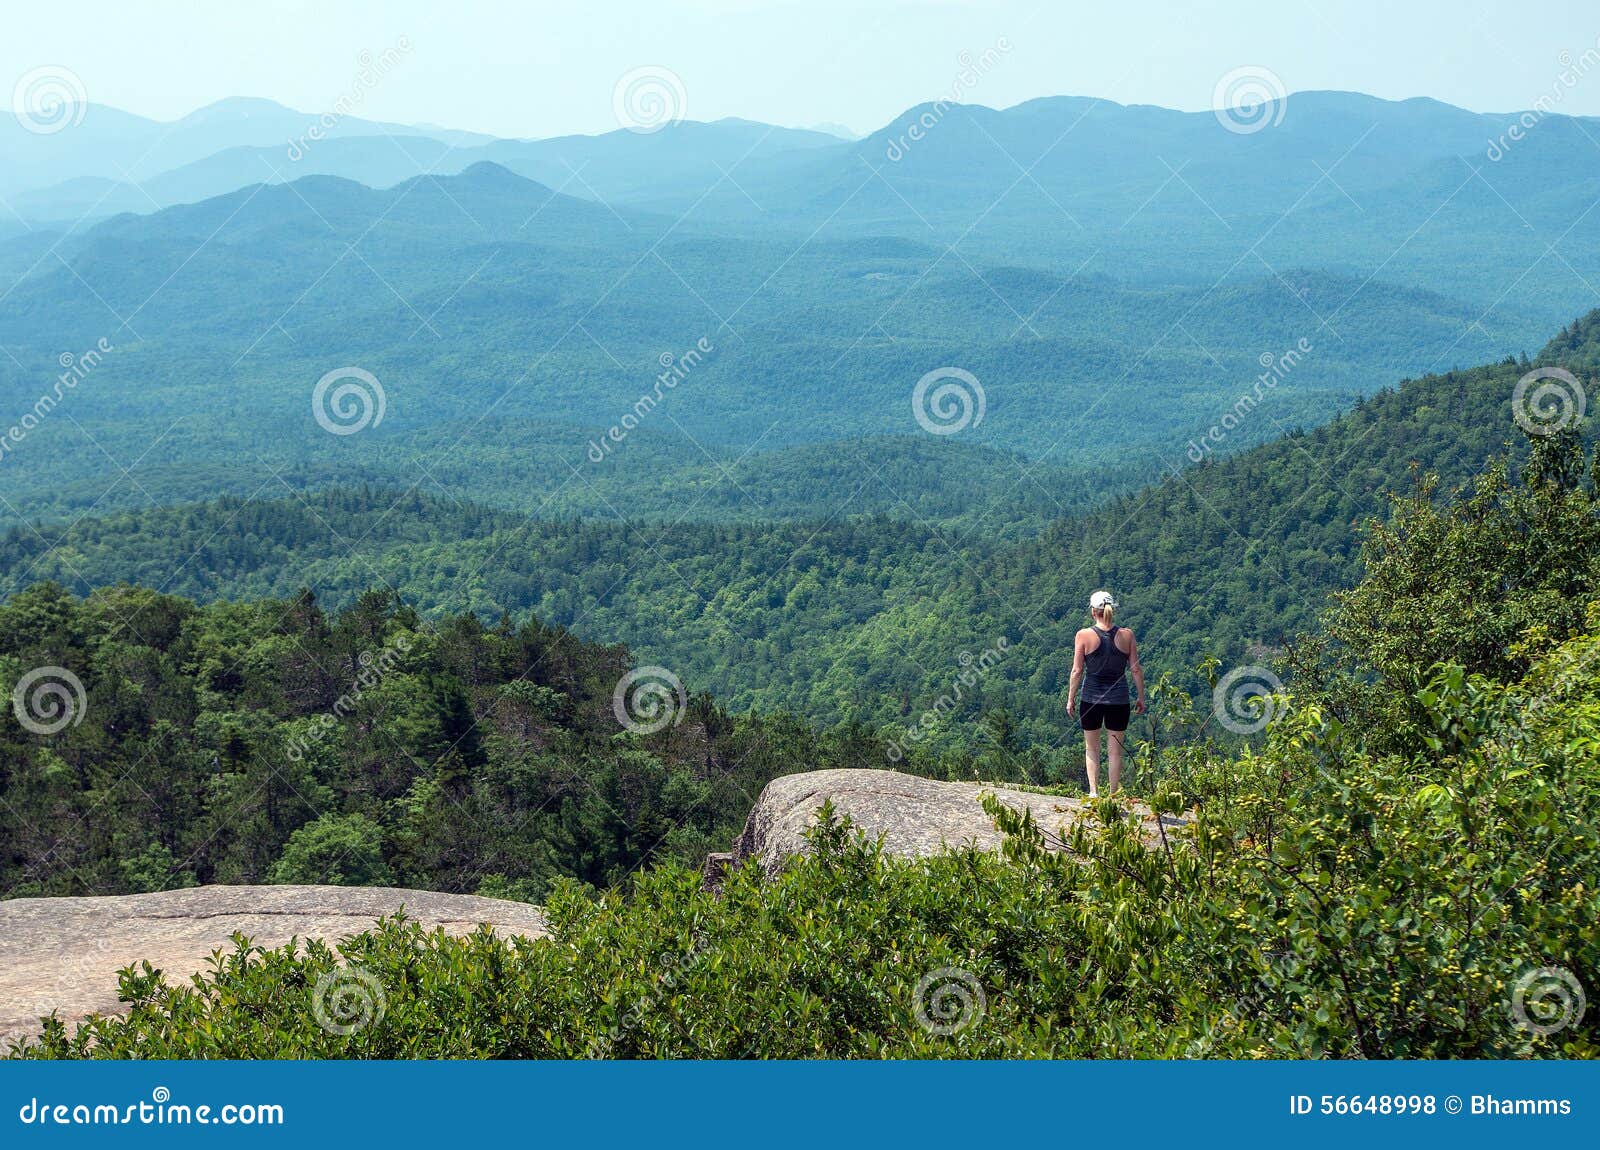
(487, 296)
(112, 145)
(1115, 278)
(586, 167)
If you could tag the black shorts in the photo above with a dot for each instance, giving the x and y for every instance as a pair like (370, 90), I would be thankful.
(1112, 716)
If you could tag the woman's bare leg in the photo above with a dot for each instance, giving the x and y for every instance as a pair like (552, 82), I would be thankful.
(1091, 760)
(1114, 740)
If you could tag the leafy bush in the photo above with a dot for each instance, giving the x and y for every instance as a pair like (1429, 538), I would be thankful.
(1322, 901)
(336, 850)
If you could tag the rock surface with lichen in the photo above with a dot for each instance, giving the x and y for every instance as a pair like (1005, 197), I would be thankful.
(63, 954)
(914, 816)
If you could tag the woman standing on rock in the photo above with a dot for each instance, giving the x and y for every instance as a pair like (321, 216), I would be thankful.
(1107, 652)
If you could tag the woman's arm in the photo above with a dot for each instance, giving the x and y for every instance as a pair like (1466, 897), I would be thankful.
(1077, 674)
(1136, 668)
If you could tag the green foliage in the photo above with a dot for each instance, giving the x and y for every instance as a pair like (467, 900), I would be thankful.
(1332, 902)
(854, 618)
(1424, 882)
(335, 850)
(270, 742)
(801, 402)
(1488, 579)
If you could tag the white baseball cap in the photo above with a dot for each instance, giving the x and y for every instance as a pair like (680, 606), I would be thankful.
(1101, 599)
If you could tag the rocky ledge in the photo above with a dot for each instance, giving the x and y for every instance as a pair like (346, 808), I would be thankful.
(915, 816)
(63, 954)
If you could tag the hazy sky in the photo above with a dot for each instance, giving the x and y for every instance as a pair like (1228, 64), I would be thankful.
(541, 69)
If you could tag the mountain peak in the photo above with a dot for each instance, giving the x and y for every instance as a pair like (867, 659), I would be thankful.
(236, 108)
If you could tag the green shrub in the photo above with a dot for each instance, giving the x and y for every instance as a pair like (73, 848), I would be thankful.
(1322, 902)
(338, 850)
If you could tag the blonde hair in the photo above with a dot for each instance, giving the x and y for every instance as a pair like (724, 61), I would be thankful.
(1104, 614)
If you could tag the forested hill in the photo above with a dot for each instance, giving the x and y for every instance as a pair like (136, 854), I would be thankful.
(163, 744)
(869, 617)
(1241, 551)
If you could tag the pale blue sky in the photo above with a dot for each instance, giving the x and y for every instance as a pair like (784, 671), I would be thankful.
(541, 69)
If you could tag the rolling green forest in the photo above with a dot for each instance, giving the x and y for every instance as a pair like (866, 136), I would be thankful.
(1110, 312)
(1422, 813)
(478, 746)
(357, 526)
(862, 619)
(464, 757)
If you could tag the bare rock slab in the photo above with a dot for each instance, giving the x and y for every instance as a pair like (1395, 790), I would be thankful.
(63, 954)
(915, 816)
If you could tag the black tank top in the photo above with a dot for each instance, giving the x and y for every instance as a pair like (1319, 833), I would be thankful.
(1104, 679)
